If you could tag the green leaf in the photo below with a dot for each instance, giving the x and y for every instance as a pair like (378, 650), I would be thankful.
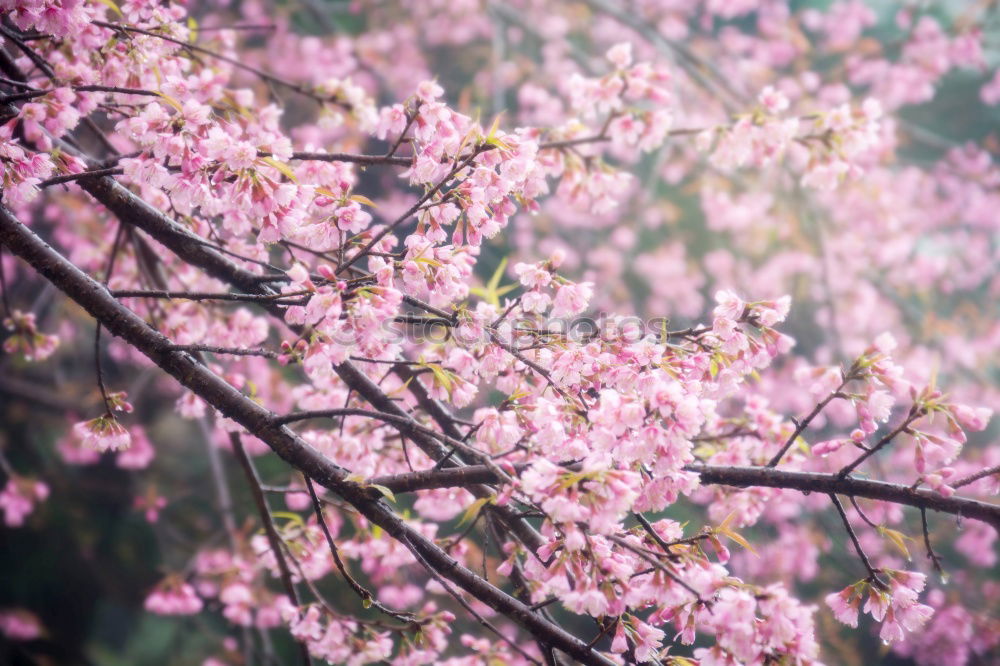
(728, 531)
(112, 6)
(425, 260)
(738, 538)
(362, 199)
(291, 516)
(494, 127)
(442, 376)
(171, 101)
(499, 143)
(897, 538)
(497, 275)
(282, 167)
(506, 289)
(569, 480)
(385, 491)
(475, 508)
(492, 292)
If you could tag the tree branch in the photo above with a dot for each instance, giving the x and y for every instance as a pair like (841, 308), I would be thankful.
(273, 538)
(741, 477)
(120, 321)
(131, 209)
(872, 571)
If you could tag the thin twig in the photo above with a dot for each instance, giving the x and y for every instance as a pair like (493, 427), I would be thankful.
(465, 604)
(367, 598)
(914, 414)
(415, 207)
(273, 538)
(3, 288)
(658, 565)
(931, 555)
(271, 78)
(872, 571)
(800, 426)
(972, 478)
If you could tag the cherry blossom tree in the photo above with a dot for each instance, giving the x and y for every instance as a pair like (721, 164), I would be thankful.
(512, 332)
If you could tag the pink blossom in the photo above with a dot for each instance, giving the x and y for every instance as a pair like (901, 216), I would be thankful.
(620, 55)
(18, 498)
(774, 101)
(844, 605)
(972, 418)
(572, 299)
(18, 624)
(103, 433)
(827, 447)
(26, 339)
(173, 597)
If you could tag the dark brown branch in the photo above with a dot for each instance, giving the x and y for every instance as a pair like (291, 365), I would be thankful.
(857, 507)
(972, 478)
(648, 527)
(230, 351)
(740, 477)
(32, 94)
(914, 414)
(834, 483)
(120, 321)
(132, 210)
(367, 160)
(469, 609)
(38, 61)
(70, 177)
(344, 411)
(200, 295)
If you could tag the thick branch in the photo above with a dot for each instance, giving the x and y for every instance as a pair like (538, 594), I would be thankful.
(120, 321)
(367, 160)
(741, 477)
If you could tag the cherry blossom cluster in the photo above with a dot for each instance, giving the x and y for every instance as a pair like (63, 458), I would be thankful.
(26, 340)
(825, 147)
(19, 497)
(895, 604)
